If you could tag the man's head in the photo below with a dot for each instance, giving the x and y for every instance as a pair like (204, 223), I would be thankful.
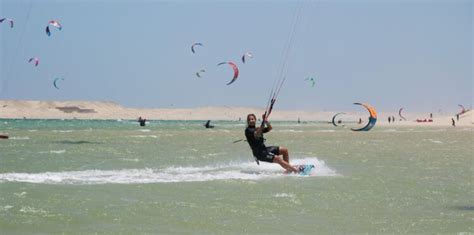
(251, 119)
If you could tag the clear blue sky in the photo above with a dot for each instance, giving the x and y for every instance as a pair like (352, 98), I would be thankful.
(391, 54)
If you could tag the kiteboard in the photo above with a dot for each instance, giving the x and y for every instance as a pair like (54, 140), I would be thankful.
(3, 136)
(304, 169)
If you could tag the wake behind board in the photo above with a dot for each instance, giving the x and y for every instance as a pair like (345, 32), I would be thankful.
(305, 169)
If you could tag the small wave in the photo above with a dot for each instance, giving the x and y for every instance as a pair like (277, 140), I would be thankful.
(20, 138)
(20, 195)
(435, 141)
(172, 174)
(289, 131)
(63, 131)
(144, 130)
(325, 131)
(32, 210)
(284, 195)
(144, 136)
(58, 151)
(292, 197)
(6, 208)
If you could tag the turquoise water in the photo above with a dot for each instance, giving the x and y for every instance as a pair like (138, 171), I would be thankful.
(114, 177)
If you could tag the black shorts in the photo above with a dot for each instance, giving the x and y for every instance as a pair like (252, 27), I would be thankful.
(268, 156)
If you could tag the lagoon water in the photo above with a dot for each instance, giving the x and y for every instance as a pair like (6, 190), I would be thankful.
(114, 177)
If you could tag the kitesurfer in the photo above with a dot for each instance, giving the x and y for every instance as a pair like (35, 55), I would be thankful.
(208, 124)
(261, 152)
(142, 121)
(453, 122)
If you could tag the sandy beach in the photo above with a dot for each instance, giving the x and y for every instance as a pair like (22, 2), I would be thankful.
(19, 109)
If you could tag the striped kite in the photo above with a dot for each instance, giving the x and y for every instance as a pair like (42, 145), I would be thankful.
(234, 67)
(53, 23)
(372, 118)
(35, 59)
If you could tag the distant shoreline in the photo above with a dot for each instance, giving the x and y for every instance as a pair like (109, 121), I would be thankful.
(96, 110)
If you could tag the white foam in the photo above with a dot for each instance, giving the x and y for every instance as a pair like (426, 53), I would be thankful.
(233, 171)
(20, 138)
(290, 195)
(144, 136)
(5, 208)
(58, 151)
(63, 131)
(20, 195)
(289, 131)
(144, 130)
(327, 131)
(435, 141)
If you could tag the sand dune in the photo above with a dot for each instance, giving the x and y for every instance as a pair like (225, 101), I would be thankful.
(18, 109)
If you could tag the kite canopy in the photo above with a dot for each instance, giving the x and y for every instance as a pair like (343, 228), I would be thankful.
(55, 82)
(247, 54)
(35, 59)
(234, 67)
(195, 44)
(53, 23)
(372, 118)
(7, 19)
(400, 114)
(311, 80)
(463, 110)
(334, 118)
(198, 73)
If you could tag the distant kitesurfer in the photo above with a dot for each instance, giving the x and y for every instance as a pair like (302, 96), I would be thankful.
(453, 122)
(389, 119)
(142, 121)
(261, 152)
(208, 124)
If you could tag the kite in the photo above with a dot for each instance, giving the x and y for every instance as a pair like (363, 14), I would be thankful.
(311, 80)
(234, 67)
(53, 23)
(198, 74)
(334, 118)
(247, 54)
(35, 59)
(195, 44)
(55, 81)
(400, 114)
(372, 118)
(8, 19)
